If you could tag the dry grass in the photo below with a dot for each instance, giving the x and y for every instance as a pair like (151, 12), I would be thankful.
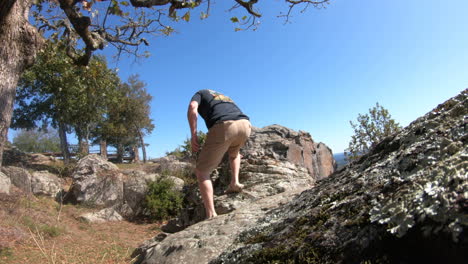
(40, 230)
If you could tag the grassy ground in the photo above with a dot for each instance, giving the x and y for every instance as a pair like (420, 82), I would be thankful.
(40, 230)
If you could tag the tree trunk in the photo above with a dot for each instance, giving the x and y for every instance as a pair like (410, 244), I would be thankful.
(64, 143)
(19, 42)
(120, 153)
(136, 156)
(103, 148)
(83, 147)
(142, 143)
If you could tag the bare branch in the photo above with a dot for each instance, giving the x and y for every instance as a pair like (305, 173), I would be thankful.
(293, 3)
(81, 25)
(249, 7)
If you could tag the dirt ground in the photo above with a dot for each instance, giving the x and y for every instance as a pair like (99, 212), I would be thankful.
(40, 230)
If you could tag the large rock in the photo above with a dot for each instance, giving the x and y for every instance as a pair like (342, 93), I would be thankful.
(104, 215)
(283, 144)
(404, 202)
(45, 183)
(19, 177)
(97, 182)
(5, 183)
(135, 188)
(170, 164)
(206, 240)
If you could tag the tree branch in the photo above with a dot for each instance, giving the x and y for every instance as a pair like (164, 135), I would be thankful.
(249, 7)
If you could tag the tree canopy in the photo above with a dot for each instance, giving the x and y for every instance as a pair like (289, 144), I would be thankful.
(126, 25)
(90, 100)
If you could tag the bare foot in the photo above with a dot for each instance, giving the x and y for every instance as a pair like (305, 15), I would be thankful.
(211, 217)
(235, 188)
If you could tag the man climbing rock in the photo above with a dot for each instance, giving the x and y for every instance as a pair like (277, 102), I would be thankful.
(228, 130)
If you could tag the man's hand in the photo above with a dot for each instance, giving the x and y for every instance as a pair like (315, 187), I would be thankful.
(195, 145)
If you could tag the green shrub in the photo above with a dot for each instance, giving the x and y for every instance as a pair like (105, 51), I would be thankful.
(162, 200)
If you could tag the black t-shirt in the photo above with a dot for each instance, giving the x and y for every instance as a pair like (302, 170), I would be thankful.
(215, 107)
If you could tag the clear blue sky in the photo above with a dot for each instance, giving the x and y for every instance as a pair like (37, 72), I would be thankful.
(314, 74)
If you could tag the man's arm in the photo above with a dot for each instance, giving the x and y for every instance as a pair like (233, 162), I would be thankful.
(192, 115)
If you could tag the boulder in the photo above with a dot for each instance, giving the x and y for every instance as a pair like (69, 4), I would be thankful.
(97, 182)
(45, 183)
(19, 177)
(283, 144)
(105, 215)
(135, 188)
(5, 183)
(178, 183)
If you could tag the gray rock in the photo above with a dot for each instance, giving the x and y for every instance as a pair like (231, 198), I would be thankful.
(105, 215)
(178, 183)
(206, 240)
(5, 183)
(97, 182)
(135, 189)
(19, 177)
(45, 183)
(171, 164)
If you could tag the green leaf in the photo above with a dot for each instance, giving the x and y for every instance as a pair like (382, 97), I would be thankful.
(244, 17)
(124, 3)
(237, 29)
(186, 17)
(203, 15)
(234, 20)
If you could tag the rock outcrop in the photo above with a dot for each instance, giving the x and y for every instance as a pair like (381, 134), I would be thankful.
(406, 201)
(280, 143)
(277, 164)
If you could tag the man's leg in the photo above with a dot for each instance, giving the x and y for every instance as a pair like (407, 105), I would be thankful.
(206, 189)
(234, 162)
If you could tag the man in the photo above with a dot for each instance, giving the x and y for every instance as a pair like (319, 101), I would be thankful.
(228, 129)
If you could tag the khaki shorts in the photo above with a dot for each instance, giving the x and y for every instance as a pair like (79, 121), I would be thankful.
(227, 136)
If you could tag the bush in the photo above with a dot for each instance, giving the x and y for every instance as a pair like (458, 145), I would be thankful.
(37, 140)
(162, 200)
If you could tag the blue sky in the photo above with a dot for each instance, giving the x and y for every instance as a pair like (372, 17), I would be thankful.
(315, 73)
